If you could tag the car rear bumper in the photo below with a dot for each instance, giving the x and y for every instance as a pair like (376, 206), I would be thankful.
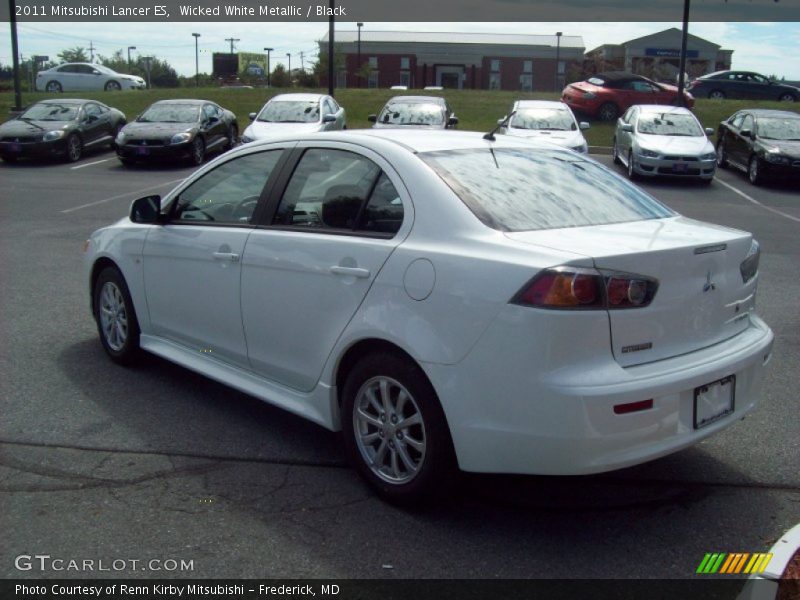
(666, 167)
(509, 414)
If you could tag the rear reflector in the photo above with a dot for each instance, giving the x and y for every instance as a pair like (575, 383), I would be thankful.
(622, 409)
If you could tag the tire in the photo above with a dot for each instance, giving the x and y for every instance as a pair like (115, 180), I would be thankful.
(198, 151)
(631, 172)
(608, 111)
(74, 148)
(407, 473)
(787, 97)
(716, 95)
(126, 161)
(615, 153)
(233, 137)
(116, 317)
(754, 171)
(113, 86)
(53, 87)
(722, 160)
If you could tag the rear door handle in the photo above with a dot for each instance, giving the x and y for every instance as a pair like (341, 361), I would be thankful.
(227, 256)
(350, 271)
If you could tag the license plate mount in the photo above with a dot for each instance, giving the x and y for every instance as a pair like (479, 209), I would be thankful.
(714, 401)
(680, 168)
(142, 151)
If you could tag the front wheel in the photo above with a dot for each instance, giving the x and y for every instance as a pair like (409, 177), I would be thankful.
(608, 112)
(395, 431)
(631, 171)
(116, 317)
(113, 86)
(53, 87)
(615, 153)
(74, 148)
(754, 171)
(722, 158)
(198, 151)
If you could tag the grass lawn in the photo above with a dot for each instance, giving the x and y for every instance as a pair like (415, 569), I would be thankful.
(476, 110)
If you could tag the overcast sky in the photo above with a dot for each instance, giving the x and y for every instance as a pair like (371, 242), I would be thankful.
(768, 48)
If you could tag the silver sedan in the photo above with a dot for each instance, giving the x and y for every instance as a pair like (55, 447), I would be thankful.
(652, 140)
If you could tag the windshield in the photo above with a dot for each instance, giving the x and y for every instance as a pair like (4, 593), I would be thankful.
(521, 189)
(290, 111)
(548, 119)
(669, 124)
(787, 128)
(51, 112)
(170, 113)
(412, 113)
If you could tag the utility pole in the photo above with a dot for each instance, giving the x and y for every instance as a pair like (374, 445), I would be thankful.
(231, 40)
(302, 64)
(558, 58)
(358, 54)
(12, 12)
(91, 51)
(129, 55)
(268, 50)
(682, 67)
(196, 59)
(289, 56)
(330, 50)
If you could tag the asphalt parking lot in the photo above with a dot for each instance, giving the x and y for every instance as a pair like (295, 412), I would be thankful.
(156, 462)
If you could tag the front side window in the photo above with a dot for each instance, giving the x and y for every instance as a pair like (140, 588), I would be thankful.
(229, 194)
(92, 110)
(748, 122)
(514, 189)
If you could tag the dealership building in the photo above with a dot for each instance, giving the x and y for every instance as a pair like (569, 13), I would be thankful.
(453, 60)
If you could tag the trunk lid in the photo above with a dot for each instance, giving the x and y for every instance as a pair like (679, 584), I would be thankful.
(701, 298)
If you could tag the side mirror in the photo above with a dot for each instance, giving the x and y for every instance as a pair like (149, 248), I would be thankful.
(452, 121)
(584, 125)
(709, 131)
(146, 210)
(329, 118)
(252, 116)
(626, 127)
(372, 118)
(748, 133)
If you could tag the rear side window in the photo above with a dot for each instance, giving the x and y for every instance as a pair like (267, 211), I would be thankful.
(521, 189)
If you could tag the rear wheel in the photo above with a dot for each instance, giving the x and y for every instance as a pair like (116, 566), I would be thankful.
(53, 87)
(113, 86)
(787, 97)
(722, 158)
(115, 317)
(608, 111)
(754, 171)
(395, 431)
(74, 148)
(716, 95)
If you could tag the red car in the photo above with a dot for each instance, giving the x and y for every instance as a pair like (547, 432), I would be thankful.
(607, 95)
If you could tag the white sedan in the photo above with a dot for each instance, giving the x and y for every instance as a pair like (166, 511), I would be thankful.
(295, 114)
(71, 77)
(545, 120)
(445, 300)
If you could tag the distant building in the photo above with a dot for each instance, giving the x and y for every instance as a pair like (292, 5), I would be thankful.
(453, 60)
(658, 56)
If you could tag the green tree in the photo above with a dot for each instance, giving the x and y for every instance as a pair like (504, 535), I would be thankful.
(161, 73)
(320, 68)
(279, 77)
(76, 54)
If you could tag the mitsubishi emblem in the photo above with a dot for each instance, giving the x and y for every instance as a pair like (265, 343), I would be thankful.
(710, 285)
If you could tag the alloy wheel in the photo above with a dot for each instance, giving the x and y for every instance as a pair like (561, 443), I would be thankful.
(73, 148)
(113, 316)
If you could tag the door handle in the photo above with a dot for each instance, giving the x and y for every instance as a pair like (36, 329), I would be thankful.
(350, 271)
(228, 256)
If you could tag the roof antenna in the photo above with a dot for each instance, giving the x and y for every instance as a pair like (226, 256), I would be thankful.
(504, 123)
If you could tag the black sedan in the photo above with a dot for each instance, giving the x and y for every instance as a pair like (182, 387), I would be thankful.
(763, 143)
(179, 129)
(59, 128)
(742, 85)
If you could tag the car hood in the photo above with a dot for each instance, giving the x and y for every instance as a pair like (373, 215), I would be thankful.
(785, 147)
(259, 130)
(568, 139)
(16, 127)
(676, 144)
(157, 130)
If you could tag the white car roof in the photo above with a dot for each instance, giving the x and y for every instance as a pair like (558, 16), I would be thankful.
(297, 97)
(520, 104)
(664, 108)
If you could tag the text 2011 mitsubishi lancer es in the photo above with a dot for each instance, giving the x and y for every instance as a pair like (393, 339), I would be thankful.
(448, 300)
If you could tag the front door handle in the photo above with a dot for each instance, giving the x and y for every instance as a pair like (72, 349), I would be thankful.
(226, 256)
(350, 271)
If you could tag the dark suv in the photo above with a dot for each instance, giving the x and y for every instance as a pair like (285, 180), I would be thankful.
(742, 85)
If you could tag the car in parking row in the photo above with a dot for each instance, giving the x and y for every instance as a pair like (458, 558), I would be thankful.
(547, 121)
(72, 77)
(286, 113)
(742, 85)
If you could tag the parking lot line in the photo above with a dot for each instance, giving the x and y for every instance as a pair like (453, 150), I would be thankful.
(754, 201)
(97, 162)
(133, 193)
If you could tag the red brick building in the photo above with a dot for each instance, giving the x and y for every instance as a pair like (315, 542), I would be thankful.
(453, 60)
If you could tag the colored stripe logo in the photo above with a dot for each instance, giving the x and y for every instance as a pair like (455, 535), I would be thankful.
(733, 563)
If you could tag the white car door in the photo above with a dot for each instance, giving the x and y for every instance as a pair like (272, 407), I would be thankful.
(307, 269)
(192, 263)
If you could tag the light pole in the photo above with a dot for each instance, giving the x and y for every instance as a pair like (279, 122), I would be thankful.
(196, 59)
(358, 53)
(682, 62)
(148, 60)
(289, 56)
(268, 50)
(558, 56)
(129, 55)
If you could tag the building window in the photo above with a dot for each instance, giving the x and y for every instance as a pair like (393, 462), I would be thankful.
(405, 78)
(495, 65)
(373, 62)
(526, 83)
(494, 81)
(562, 66)
(341, 79)
(527, 66)
(405, 62)
(372, 82)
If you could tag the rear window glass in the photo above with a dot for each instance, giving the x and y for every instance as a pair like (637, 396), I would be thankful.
(521, 189)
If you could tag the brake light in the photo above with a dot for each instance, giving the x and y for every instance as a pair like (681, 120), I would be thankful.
(574, 288)
(749, 266)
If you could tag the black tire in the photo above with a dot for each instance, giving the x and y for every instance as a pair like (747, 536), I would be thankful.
(74, 149)
(716, 95)
(53, 87)
(113, 86)
(631, 172)
(232, 137)
(198, 151)
(722, 160)
(608, 111)
(435, 465)
(755, 171)
(787, 97)
(615, 153)
(113, 319)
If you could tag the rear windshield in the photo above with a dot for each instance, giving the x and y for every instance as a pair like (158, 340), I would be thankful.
(521, 189)
(412, 113)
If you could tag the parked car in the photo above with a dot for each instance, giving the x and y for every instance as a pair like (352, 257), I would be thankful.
(505, 306)
(548, 121)
(177, 129)
(295, 113)
(742, 85)
(61, 128)
(608, 95)
(765, 144)
(429, 112)
(71, 77)
(669, 141)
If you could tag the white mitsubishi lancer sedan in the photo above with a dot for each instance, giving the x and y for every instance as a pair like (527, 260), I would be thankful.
(448, 301)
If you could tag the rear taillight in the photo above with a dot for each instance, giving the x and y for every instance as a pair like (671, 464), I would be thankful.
(570, 288)
(749, 266)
